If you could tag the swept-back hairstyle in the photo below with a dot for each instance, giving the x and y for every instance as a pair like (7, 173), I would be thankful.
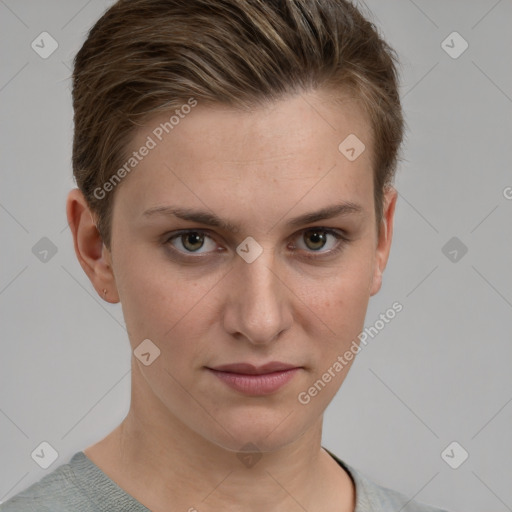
(149, 56)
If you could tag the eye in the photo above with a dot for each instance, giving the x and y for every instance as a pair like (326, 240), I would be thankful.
(318, 238)
(192, 242)
(324, 241)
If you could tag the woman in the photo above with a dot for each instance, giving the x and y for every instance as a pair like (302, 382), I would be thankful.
(234, 162)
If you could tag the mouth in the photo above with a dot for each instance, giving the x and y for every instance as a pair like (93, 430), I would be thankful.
(255, 380)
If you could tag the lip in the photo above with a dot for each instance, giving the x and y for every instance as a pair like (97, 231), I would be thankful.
(255, 380)
(249, 369)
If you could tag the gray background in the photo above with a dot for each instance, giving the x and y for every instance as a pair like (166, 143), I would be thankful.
(439, 372)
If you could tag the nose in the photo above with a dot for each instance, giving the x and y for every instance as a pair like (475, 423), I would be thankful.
(258, 305)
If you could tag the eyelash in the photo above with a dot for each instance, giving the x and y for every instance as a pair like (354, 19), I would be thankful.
(341, 242)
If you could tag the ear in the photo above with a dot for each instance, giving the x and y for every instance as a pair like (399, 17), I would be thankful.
(385, 236)
(94, 257)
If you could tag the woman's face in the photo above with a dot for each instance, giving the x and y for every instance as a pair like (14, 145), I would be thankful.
(263, 285)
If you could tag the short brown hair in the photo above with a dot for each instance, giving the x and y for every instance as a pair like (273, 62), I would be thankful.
(148, 56)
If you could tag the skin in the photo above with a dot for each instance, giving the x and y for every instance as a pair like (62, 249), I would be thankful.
(177, 447)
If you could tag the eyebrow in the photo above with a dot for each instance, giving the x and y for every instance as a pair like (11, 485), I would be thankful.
(205, 217)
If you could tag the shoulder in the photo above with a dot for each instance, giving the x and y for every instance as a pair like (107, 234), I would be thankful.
(76, 486)
(372, 497)
(59, 491)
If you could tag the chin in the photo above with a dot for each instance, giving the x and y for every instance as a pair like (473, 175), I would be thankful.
(257, 430)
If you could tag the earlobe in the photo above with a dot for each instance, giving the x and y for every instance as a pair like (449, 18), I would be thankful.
(384, 239)
(90, 251)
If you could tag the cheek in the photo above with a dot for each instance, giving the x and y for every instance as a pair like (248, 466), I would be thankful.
(342, 294)
(337, 306)
(160, 302)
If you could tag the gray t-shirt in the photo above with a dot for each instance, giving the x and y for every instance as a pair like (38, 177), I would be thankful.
(81, 486)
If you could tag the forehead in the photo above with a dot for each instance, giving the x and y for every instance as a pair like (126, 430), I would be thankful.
(278, 152)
